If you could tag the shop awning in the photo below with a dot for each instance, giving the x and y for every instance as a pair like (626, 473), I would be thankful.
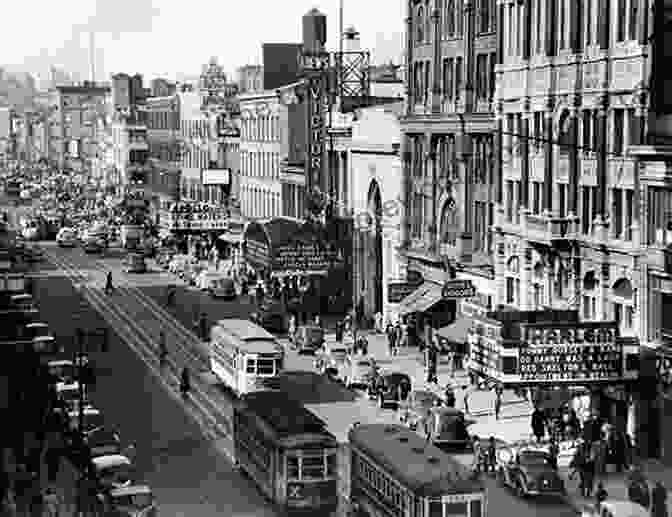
(457, 332)
(423, 298)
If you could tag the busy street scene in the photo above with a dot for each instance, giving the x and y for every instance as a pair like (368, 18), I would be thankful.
(417, 271)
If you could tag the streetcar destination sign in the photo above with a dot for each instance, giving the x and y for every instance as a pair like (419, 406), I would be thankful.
(456, 289)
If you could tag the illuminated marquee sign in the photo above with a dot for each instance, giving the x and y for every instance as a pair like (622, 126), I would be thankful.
(590, 352)
(309, 257)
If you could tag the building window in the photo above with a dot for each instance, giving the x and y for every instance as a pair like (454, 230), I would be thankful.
(540, 25)
(617, 211)
(629, 211)
(617, 133)
(562, 24)
(586, 129)
(484, 16)
(458, 78)
(621, 18)
(536, 197)
(588, 16)
(492, 76)
(448, 86)
(510, 290)
(450, 19)
(562, 199)
(659, 204)
(634, 14)
(481, 76)
(538, 122)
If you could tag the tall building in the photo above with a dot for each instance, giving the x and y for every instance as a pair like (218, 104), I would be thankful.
(262, 120)
(281, 64)
(160, 87)
(195, 155)
(73, 133)
(250, 78)
(447, 152)
(127, 91)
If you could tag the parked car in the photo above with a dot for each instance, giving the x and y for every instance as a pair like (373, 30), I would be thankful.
(449, 428)
(529, 471)
(359, 371)
(308, 339)
(389, 388)
(63, 370)
(224, 287)
(177, 263)
(270, 316)
(112, 471)
(68, 394)
(102, 441)
(93, 245)
(135, 263)
(130, 501)
(207, 278)
(415, 409)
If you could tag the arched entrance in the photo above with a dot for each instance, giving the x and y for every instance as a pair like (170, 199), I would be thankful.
(374, 251)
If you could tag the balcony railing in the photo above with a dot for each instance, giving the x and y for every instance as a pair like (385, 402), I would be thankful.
(551, 230)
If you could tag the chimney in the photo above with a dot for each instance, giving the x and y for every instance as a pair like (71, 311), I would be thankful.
(351, 42)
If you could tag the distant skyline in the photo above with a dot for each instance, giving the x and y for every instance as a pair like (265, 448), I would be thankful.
(162, 38)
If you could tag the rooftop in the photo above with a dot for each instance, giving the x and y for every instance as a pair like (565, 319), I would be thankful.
(285, 416)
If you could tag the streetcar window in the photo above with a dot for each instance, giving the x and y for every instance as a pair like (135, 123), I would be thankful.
(251, 366)
(265, 366)
(475, 510)
(455, 509)
(435, 509)
(312, 467)
(292, 467)
(331, 465)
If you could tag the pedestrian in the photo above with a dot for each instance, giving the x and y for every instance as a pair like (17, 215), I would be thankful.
(291, 328)
(538, 424)
(53, 460)
(52, 503)
(170, 296)
(203, 326)
(465, 400)
(339, 332)
(598, 454)
(600, 496)
(378, 322)
(498, 401)
(588, 471)
(108, 283)
(391, 338)
(163, 350)
(477, 449)
(185, 382)
(553, 452)
(492, 454)
(449, 396)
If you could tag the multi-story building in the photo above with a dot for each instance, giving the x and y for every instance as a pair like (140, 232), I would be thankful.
(130, 149)
(447, 150)
(72, 132)
(250, 78)
(195, 155)
(160, 87)
(262, 119)
(162, 116)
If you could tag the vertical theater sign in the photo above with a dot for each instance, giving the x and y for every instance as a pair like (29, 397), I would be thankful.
(551, 353)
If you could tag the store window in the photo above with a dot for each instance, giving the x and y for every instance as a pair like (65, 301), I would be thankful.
(538, 286)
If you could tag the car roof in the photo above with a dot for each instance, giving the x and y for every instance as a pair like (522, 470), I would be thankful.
(44, 338)
(88, 410)
(625, 508)
(131, 490)
(110, 460)
(63, 386)
(60, 362)
(36, 324)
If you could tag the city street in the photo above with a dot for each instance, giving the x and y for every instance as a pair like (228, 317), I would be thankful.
(172, 437)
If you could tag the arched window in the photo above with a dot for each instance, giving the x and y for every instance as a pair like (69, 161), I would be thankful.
(420, 25)
(428, 22)
(449, 224)
(513, 281)
(622, 297)
(589, 297)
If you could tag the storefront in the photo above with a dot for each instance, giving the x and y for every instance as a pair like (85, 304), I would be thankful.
(195, 226)
(284, 247)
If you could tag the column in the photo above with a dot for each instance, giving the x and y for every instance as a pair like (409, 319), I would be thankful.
(576, 26)
(574, 173)
(551, 33)
(643, 22)
(466, 245)
(524, 161)
(435, 194)
(548, 162)
(500, 34)
(499, 167)
(404, 194)
(525, 263)
(410, 93)
(604, 23)
(436, 57)
(603, 292)
(427, 188)
(602, 164)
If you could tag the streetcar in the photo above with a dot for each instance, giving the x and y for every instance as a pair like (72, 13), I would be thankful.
(288, 453)
(396, 473)
(245, 357)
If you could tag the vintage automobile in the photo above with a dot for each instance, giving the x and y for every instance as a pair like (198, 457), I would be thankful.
(308, 339)
(415, 409)
(449, 428)
(529, 471)
(359, 371)
(130, 501)
(102, 441)
(389, 388)
(223, 287)
(331, 361)
(135, 263)
(112, 471)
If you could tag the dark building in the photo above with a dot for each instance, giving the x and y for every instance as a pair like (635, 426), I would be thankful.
(281, 64)
(127, 90)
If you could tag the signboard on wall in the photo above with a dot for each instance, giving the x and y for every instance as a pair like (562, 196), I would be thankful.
(216, 177)
(484, 348)
(311, 257)
(566, 353)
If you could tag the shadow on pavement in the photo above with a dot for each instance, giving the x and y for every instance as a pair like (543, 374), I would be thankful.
(312, 388)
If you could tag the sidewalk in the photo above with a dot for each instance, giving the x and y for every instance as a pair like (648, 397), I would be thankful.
(615, 484)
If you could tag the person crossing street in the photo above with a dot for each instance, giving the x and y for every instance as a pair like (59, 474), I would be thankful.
(109, 287)
(163, 350)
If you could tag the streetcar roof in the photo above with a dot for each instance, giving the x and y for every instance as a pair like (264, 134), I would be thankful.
(283, 415)
(110, 461)
(252, 338)
(131, 490)
(422, 467)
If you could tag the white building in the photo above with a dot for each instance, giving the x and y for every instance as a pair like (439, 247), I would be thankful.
(194, 133)
(374, 194)
(262, 116)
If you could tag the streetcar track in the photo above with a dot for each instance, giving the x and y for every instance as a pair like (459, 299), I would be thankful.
(139, 340)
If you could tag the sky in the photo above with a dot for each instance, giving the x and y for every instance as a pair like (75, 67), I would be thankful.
(172, 38)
